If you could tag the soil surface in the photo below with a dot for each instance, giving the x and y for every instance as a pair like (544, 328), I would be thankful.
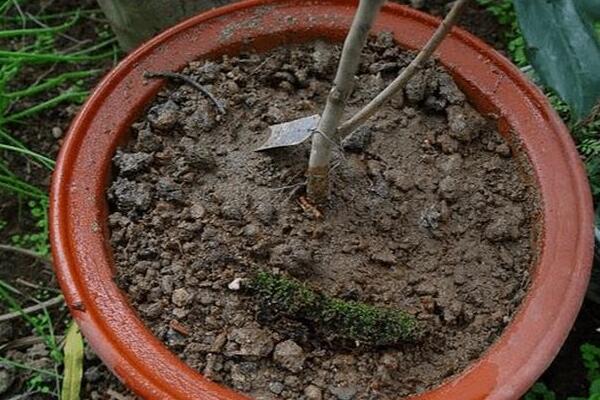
(430, 213)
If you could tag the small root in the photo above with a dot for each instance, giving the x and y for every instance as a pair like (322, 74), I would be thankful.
(307, 206)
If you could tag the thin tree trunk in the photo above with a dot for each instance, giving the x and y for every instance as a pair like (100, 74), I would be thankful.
(320, 154)
(135, 21)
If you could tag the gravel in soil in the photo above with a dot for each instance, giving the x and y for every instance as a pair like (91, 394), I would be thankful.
(430, 213)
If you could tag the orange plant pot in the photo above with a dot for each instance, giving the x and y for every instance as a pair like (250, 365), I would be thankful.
(79, 233)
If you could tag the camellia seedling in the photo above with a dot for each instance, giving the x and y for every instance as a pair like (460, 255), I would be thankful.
(327, 129)
(336, 318)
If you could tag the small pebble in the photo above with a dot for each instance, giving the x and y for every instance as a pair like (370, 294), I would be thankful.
(180, 297)
(343, 392)
(57, 133)
(276, 387)
(235, 284)
(289, 355)
(503, 150)
(197, 211)
(312, 392)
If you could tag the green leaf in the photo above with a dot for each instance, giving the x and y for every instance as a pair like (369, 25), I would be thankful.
(563, 48)
(540, 391)
(590, 8)
(73, 364)
(595, 388)
(591, 360)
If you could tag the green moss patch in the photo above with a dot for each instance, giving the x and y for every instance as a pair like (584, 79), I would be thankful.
(335, 318)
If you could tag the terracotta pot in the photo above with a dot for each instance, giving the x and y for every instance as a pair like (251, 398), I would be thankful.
(82, 254)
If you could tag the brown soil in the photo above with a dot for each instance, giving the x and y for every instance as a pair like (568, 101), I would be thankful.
(430, 213)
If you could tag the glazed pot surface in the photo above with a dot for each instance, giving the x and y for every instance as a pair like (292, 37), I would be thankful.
(79, 232)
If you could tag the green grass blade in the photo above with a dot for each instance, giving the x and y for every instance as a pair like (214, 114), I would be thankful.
(11, 363)
(41, 58)
(95, 47)
(50, 83)
(17, 186)
(4, 170)
(5, 6)
(13, 304)
(45, 161)
(37, 31)
(55, 16)
(6, 136)
(73, 361)
(72, 96)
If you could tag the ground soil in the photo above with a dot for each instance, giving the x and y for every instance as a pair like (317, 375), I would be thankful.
(429, 213)
(43, 133)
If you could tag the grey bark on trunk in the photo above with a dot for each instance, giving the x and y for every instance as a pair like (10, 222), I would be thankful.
(135, 21)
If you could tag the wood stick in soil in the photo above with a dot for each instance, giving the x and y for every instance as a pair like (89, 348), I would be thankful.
(400, 82)
(320, 154)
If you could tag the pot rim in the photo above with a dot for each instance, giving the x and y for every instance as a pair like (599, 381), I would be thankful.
(78, 210)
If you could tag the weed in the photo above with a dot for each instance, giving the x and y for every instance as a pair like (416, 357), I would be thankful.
(504, 11)
(590, 355)
(40, 323)
(36, 241)
(335, 318)
(591, 359)
(39, 45)
(39, 381)
(73, 371)
(540, 391)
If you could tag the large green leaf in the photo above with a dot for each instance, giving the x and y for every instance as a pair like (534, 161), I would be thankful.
(563, 48)
(590, 8)
(73, 364)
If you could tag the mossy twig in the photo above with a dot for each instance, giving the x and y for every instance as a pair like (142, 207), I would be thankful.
(350, 320)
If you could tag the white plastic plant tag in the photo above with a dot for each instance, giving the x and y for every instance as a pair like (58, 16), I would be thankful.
(291, 133)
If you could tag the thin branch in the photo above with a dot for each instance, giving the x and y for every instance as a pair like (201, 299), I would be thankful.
(35, 286)
(189, 81)
(25, 342)
(29, 310)
(19, 365)
(23, 396)
(29, 253)
(401, 81)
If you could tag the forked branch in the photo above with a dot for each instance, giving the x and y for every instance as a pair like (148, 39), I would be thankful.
(417, 63)
(329, 129)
